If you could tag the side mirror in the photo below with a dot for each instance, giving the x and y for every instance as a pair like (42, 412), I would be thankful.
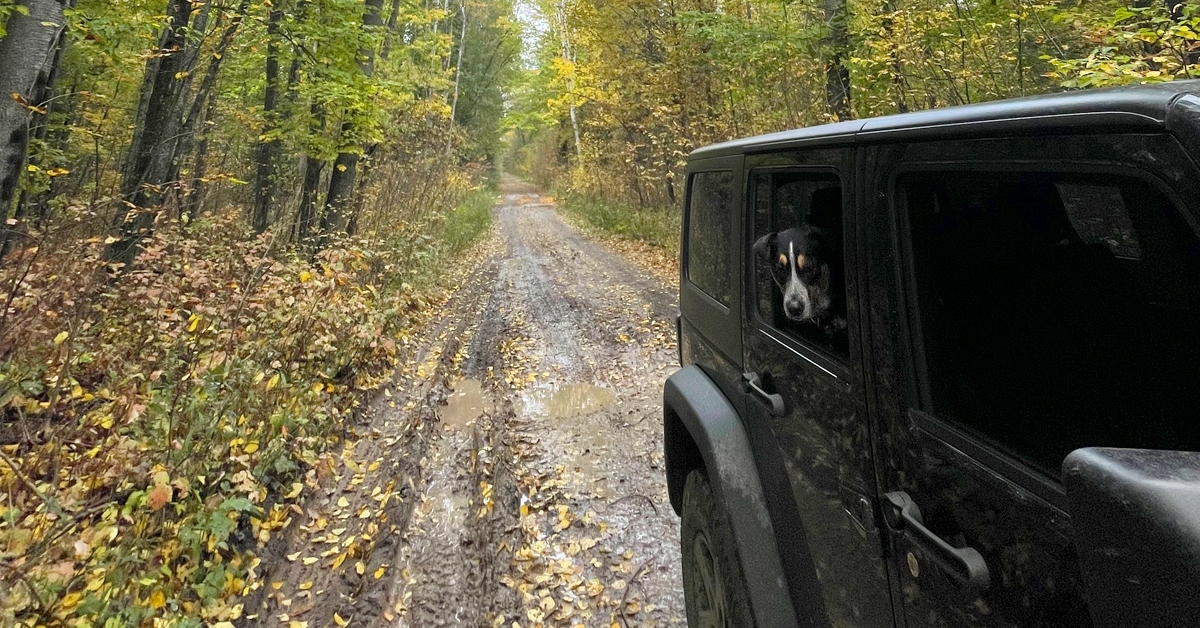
(1136, 520)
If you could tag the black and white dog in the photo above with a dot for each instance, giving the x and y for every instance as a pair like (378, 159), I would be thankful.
(803, 261)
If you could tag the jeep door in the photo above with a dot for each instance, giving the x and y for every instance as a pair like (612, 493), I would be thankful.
(1028, 296)
(806, 409)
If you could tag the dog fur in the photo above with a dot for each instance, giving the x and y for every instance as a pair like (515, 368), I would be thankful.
(803, 263)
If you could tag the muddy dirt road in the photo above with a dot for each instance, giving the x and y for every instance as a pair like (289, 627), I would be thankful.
(512, 475)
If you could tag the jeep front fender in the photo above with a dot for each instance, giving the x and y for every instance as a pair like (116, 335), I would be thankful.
(701, 428)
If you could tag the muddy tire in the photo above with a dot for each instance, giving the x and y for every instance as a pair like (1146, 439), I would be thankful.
(714, 587)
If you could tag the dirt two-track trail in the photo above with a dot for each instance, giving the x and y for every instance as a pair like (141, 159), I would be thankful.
(512, 474)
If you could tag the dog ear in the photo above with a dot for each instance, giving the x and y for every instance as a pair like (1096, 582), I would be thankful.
(765, 247)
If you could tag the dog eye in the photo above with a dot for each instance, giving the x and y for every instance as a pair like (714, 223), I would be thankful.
(782, 260)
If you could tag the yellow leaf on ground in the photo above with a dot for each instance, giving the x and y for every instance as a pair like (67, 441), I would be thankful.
(337, 619)
(310, 560)
(379, 573)
(360, 567)
(158, 599)
(304, 586)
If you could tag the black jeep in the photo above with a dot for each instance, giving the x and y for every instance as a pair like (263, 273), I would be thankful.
(943, 369)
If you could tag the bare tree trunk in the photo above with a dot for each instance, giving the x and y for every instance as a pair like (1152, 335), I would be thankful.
(150, 156)
(568, 53)
(268, 149)
(308, 199)
(28, 53)
(837, 76)
(345, 167)
(462, 43)
(195, 198)
(41, 105)
(391, 30)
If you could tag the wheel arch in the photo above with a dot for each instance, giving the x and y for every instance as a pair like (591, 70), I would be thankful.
(701, 430)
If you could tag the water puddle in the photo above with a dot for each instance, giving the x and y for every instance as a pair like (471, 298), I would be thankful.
(584, 442)
(563, 402)
(465, 404)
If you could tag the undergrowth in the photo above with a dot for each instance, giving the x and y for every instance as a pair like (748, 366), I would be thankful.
(156, 428)
(659, 227)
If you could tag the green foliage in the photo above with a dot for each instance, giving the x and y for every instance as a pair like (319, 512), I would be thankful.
(8, 8)
(659, 227)
(468, 223)
(1135, 45)
(158, 423)
(195, 396)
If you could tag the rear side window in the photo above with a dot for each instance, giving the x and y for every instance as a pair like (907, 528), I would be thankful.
(709, 255)
(785, 201)
(1056, 311)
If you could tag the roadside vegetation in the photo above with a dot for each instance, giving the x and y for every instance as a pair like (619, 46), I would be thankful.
(659, 227)
(623, 90)
(222, 221)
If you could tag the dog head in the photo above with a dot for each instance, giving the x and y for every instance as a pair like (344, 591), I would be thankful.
(801, 263)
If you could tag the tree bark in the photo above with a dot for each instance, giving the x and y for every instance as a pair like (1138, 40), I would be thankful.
(42, 99)
(568, 53)
(199, 113)
(28, 52)
(462, 43)
(308, 199)
(837, 76)
(150, 157)
(195, 196)
(345, 167)
(268, 149)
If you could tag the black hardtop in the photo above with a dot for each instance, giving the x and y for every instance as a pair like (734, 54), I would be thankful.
(1144, 107)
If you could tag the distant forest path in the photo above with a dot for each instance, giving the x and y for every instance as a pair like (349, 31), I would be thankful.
(524, 444)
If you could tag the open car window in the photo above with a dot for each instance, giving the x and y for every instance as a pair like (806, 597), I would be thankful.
(808, 203)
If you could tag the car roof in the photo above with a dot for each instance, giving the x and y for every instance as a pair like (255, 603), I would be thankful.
(1135, 107)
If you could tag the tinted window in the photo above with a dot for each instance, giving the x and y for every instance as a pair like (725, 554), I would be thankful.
(709, 254)
(785, 202)
(1057, 311)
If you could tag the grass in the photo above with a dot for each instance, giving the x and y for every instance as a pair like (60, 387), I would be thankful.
(658, 226)
(469, 221)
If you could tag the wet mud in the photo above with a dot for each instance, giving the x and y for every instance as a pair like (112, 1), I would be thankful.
(521, 447)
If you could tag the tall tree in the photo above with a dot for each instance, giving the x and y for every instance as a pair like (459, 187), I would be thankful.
(837, 75)
(269, 142)
(149, 163)
(345, 166)
(27, 50)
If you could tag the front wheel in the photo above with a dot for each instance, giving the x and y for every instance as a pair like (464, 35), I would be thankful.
(714, 587)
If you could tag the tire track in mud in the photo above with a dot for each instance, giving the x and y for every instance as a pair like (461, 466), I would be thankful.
(512, 474)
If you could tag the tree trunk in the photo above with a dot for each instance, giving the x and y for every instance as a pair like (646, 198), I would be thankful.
(201, 112)
(341, 180)
(268, 149)
(308, 200)
(195, 196)
(150, 156)
(568, 53)
(837, 76)
(462, 43)
(38, 125)
(391, 30)
(28, 52)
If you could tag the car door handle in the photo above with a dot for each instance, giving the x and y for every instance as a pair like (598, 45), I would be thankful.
(753, 385)
(965, 565)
